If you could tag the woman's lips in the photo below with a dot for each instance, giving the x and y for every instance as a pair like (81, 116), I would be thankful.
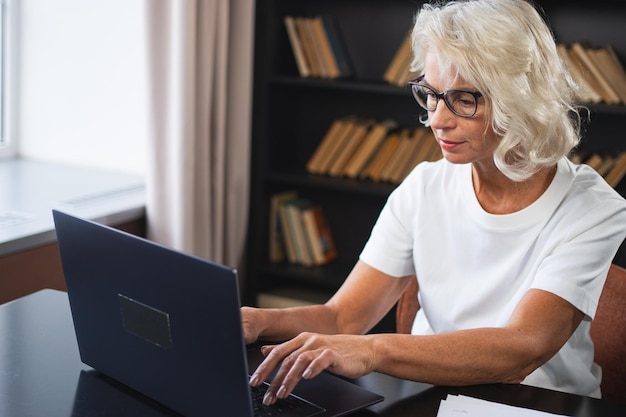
(448, 145)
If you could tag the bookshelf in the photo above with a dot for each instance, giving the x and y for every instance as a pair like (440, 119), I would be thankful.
(292, 113)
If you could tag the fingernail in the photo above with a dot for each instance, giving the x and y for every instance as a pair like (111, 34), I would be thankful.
(269, 398)
(282, 393)
(306, 374)
(254, 380)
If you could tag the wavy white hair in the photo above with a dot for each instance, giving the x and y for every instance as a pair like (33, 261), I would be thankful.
(507, 51)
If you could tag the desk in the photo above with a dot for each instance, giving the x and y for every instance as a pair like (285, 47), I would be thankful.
(41, 375)
(29, 190)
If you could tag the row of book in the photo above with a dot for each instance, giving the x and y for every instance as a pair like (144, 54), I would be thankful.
(318, 47)
(379, 151)
(598, 71)
(299, 231)
(360, 148)
(612, 167)
(320, 52)
(397, 72)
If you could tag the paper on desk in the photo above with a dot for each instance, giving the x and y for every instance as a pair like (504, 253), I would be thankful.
(461, 405)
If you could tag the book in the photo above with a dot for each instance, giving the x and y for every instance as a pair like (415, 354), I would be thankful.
(584, 71)
(308, 47)
(608, 63)
(337, 145)
(407, 162)
(319, 235)
(405, 74)
(619, 70)
(601, 84)
(277, 249)
(321, 154)
(586, 93)
(616, 174)
(338, 47)
(403, 144)
(293, 211)
(398, 62)
(425, 150)
(288, 234)
(594, 161)
(303, 228)
(326, 52)
(376, 165)
(324, 70)
(316, 162)
(351, 144)
(370, 145)
(606, 165)
(296, 46)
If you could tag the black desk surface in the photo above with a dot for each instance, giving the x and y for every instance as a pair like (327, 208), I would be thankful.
(41, 375)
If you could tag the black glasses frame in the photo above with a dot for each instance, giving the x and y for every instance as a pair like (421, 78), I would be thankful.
(416, 83)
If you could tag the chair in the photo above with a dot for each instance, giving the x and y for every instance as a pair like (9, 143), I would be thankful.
(608, 330)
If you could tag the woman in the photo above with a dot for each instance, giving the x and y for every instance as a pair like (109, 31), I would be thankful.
(509, 241)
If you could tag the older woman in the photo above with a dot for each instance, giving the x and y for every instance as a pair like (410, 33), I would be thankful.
(509, 241)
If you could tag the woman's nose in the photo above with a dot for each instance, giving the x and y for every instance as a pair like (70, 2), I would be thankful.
(442, 116)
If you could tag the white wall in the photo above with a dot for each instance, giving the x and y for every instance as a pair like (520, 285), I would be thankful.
(83, 83)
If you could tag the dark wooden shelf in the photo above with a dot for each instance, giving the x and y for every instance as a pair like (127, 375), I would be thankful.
(347, 85)
(347, 185)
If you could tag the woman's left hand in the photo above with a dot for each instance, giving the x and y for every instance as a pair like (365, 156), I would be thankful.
(308, 354)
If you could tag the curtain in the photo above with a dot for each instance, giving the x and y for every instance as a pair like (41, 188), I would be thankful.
(200, 71)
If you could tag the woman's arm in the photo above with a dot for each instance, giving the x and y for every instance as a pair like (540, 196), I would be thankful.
(361, 302)
(538, 328)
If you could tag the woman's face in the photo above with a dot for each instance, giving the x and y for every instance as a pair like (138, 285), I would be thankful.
(462, 140)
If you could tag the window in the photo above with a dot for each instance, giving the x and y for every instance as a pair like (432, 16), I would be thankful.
(8, 21)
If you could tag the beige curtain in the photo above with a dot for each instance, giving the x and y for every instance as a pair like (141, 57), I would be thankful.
(200, 54)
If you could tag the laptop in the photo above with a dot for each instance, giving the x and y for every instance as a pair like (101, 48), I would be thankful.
(168, 325)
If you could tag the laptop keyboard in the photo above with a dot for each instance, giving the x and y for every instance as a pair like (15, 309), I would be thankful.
(291, 406)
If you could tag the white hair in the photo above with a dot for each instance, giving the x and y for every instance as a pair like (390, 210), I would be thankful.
(507, 51)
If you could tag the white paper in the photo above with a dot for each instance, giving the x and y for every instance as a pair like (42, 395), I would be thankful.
(463, 406)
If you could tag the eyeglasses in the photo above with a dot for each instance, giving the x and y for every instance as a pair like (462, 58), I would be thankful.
(460, 102)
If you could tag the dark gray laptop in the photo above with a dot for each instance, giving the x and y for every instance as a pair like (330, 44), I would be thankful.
(168, 325)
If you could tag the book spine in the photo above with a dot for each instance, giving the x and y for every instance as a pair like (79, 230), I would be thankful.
(277, 248)
(337, 45)
(296, 47)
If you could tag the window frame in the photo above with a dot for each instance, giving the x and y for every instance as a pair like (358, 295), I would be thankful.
(8, 77)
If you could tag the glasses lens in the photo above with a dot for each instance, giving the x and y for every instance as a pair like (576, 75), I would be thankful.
(425, 97)
(461, 102)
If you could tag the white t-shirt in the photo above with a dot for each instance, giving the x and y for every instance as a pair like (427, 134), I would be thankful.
(473, 267)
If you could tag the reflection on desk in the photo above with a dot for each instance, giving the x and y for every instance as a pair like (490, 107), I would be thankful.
(41, 375)
(96, 391)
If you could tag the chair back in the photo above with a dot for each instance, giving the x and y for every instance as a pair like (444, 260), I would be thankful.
(608, 330)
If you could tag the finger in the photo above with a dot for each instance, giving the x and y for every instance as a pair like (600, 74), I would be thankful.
(261, 373)
(287, 376)
(276, 384)
(292, 371)
(273, 356)
(324, 360)
(267, 349)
